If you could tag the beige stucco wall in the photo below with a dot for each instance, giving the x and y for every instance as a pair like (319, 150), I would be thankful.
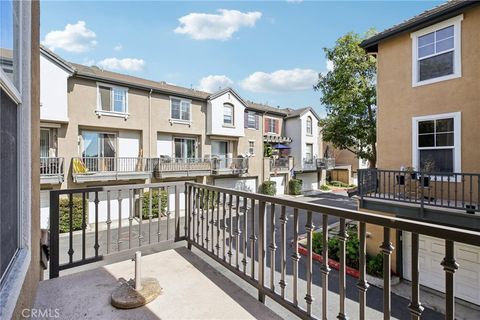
(398, 101)
(255, 163)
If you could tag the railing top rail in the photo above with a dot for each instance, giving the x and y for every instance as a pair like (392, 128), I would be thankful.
(51, 157)
(422, 172)
(115, 188)
(420, 227)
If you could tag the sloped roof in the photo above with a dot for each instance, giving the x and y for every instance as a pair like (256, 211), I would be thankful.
(55, 58)
(424, 19)
(300, 112)
(266, 108)
(96, 73)
(230, 90)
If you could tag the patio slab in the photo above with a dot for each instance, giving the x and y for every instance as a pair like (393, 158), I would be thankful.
(191, 289)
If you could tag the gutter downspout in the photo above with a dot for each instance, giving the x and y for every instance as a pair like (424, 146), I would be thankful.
(150, 123)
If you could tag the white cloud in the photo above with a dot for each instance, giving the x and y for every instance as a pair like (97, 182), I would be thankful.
(329, 65)
(74, 38)
(204, 26)
(127, 64)
(214, 83)
(118, 47)
(295, 1)
(280, 81)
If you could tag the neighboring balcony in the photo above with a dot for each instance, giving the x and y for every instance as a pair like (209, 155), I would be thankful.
(280, 165)
(181, 167)
(243, 246)
(51, 170)
(315, 164)
(229, 166)
(89, 169)
(443, 197)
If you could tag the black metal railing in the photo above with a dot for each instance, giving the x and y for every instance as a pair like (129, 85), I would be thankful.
(239, 230)
(163, 167)
(439, 189)
(91, 224)
(229, 165)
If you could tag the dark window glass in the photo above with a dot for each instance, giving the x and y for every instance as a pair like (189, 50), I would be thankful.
(426, 140)
(176, 109)
(442, 159)
(444, 125)
(436, 66)
(8, 181)
(105, 97)
(426, 126)
(444, 139)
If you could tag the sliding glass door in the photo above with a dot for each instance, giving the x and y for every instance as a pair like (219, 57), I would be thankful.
(184, 149)
(99, 150)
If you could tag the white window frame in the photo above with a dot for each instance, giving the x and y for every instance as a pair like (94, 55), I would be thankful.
(309, 118)
(182, 100)
(14, 277)
(456, 22)
(307, 146)
(269, 127)
(195, 145)
(251, 147)
(231, 107)
(99, 112)
(457, 137)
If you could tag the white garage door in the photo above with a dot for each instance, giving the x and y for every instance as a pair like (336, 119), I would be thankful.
(280, 180)
(310, 181)
(431, 253)
(243, 184)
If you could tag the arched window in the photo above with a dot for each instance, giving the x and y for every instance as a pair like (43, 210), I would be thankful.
(309, 125)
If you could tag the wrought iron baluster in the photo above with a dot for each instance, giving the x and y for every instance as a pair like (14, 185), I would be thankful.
(140, 217)
(131, 193)
(224, 226)
(309, 230)
(84, 223)
(272, 247)
(159, 214)
(237, 233)
(252, 238)
(176, 217)
(283, 249)
(471, 190)
(295, 257)
(212, 221)
(387, 249)
(109, 222)
(450, 266)
(96, 245)
(150, 215)
(70, 228)
(325, 269)
(448, 191)
(244, 235)
(342, 236)
(119, 234)
(261, 250)
(206, 205)
(415, 306)
(230, 229)
(197, 210)
(217, 246)
(362, 284)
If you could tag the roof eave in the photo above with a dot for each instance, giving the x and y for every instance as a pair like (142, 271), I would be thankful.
(371, 44)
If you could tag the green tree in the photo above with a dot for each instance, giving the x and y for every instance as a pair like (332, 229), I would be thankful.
(349, 95)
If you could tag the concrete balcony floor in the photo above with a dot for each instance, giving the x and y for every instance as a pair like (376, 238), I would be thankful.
(192, 289)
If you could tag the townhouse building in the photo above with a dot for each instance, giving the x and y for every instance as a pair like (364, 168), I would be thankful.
(428, 155)
(102, 127)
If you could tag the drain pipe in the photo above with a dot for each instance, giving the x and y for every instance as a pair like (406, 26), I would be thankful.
(150, 123)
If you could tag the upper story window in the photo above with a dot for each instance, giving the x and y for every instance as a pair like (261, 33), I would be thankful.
(228, 111)
(272, 126)
(112, 99)
(437, 143)
(251, 120)
(309, 126)
(251, 147)
(436, 52)
(180, 110)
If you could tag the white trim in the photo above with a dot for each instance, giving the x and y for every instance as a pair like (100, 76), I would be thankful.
(99, 112)
(457, 60)
(254, 145)
(457, 138)
(180, 121)
(7, 85)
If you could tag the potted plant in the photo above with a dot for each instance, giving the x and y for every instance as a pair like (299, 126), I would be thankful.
(428, 167)
(411, 171)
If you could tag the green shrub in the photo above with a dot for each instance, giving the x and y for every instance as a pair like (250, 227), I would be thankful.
(338, 184)
(324, 187)
(295, 186)
(146, 203)
(374, 264)
(269, 188)
(64, 208)
(267, 150)
(212, 200)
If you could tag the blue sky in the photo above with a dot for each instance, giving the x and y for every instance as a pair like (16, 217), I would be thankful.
(246, 46)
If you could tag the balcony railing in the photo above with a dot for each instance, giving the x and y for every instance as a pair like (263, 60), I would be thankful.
(185, 167)
(437, 189)
(239, 230)
(312, 164)
(110, 168)
(279, 164)
(229, 166)
(51, 170)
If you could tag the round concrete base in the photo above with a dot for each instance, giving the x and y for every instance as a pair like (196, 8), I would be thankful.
(126, 297)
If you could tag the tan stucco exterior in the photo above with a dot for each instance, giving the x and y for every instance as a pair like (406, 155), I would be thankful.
(398, 101)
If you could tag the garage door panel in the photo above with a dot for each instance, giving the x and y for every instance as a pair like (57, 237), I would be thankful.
(280, 184)
(242, 184)
(467, 277)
